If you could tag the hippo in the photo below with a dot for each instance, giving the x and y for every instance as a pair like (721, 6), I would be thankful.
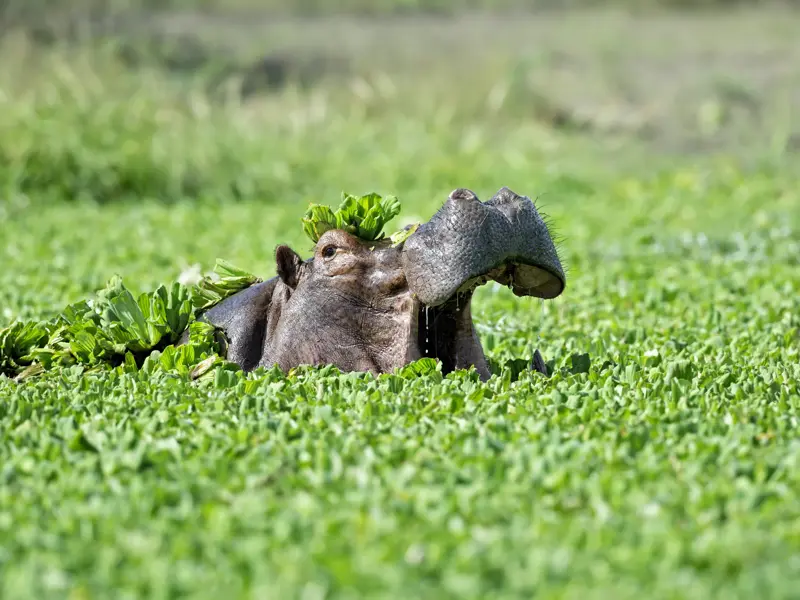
(377, 305)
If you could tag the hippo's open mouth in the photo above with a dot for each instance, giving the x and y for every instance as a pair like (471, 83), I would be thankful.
(444, 332)
(468, 243)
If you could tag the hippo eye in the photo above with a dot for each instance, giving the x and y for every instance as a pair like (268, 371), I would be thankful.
(328, 251)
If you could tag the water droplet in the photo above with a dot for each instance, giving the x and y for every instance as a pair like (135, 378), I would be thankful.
(427, 329)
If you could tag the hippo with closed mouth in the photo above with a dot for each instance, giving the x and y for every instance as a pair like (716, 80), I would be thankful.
(376, 306)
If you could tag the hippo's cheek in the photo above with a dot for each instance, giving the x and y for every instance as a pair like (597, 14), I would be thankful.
(393, 334)
(388, 282)
(408, 325)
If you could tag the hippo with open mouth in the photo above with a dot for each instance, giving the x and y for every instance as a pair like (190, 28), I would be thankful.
(376, 306)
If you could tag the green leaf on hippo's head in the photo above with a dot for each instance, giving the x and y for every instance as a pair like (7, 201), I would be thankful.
(390, 207)
(319, 219)
(399, 237)
(369, 228)
(362, 216)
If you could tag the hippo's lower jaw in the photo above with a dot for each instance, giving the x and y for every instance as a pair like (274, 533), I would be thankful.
(446, 333)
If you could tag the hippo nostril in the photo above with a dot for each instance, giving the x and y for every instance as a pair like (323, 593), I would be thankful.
(505, 196)
(463, 194)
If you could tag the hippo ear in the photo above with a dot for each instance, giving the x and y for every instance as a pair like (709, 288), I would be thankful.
(288, 265)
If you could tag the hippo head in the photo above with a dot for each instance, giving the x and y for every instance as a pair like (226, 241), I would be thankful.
(375, 306)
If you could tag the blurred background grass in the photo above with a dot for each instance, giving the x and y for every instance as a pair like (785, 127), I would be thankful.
(172, 111)
(111, 99)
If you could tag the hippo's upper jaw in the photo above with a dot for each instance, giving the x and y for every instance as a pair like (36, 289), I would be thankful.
(464, 245)
(468, 242)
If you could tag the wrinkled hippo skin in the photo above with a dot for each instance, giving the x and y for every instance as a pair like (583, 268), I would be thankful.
(372, 306)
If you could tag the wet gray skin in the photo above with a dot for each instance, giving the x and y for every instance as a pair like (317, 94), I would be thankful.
(371, 306)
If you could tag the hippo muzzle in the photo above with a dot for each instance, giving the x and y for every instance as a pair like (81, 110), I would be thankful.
(469, 242)
(464, 245)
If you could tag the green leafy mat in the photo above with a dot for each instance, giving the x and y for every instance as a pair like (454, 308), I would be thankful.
(117, 330)
(363, 216)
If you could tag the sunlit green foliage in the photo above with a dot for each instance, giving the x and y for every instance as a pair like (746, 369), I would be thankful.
(116, 327)
(363, 217)
(659, 461)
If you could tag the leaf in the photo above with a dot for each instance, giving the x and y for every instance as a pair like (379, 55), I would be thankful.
(226, 269)
(30, 371)
(318, 219)
(81, 443)
(203, 367)
(130, 315)
(167, 358)
(420, 367)
(130, 363)
(363, 216)
(401, 236)
(112, 327)
(84, 347)
(229, 280)
(390, 206)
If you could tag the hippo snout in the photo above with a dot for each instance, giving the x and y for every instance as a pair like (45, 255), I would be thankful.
(469, 242)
